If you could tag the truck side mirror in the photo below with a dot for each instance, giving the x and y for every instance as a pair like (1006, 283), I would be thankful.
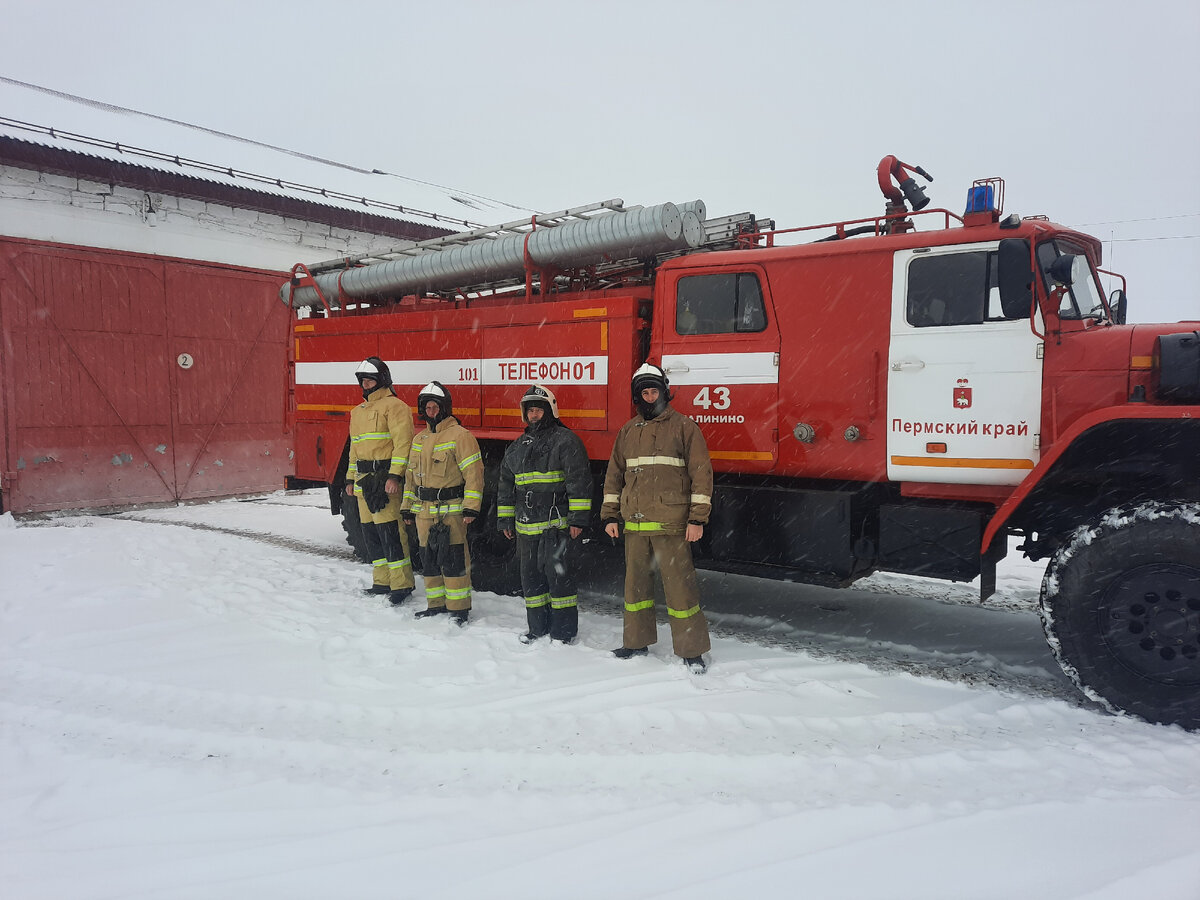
(1119, 304)
(1015, 277)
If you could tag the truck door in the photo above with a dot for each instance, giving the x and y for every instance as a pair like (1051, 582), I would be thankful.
(964, 383)
(720, 350)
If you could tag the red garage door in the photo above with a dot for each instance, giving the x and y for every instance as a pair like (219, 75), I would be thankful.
(127, 378)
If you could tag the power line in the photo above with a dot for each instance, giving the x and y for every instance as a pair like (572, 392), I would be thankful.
(112, 107)
(1174, 237)
(1130, 221)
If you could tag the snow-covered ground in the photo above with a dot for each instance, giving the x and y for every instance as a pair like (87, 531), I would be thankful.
(217, 711)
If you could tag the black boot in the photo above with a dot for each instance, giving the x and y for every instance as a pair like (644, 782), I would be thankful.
(432, 611)
(529, 637)
(399, 596)
(376, 589)
(695, 664)
(459, 616)
(564, 625)
(628, 652)
(537, 621)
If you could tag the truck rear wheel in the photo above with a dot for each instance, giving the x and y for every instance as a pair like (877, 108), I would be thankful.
(1120, 605)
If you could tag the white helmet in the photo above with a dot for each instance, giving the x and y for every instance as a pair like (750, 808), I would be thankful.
(541, 395)
(650, 376)
(374, 367)
(439, 394)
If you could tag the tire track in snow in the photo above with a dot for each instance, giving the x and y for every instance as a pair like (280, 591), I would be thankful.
(274, 540)
(636, 734)
(977, 668)
(897, 758)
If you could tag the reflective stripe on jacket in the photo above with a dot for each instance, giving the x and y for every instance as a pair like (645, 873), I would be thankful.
(381, 428)
(659, 476)
(444, 458)
(545, 481)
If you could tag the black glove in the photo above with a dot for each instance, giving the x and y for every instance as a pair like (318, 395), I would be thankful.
(472, 513)
(414, 541)
(437, 546)
(374, 494)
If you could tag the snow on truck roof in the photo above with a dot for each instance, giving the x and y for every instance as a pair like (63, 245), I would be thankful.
(64, 122)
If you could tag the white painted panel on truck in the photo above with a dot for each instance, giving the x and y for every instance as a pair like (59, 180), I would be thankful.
(964, 384)
(720, 350)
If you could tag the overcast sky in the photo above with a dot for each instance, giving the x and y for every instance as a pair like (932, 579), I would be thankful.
(1089, 110)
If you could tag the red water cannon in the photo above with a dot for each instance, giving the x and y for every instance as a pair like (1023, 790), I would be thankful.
(889, 168)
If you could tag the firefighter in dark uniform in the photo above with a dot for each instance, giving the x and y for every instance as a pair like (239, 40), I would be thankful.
(659, 483)
(545, 494)
(443, 495)
(381, 433)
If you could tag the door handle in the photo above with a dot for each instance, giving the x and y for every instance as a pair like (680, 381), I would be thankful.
(678, 368)
(908, 365)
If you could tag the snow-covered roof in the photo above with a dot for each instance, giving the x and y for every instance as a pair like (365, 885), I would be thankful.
(63, 122)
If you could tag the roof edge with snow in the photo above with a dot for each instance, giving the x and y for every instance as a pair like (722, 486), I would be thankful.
(72, 164)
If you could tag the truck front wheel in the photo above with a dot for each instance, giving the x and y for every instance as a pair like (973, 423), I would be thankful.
(1120, 605)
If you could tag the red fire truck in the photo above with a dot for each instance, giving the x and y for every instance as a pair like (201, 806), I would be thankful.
(899, 393)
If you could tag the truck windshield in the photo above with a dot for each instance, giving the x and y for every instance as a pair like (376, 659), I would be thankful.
(1083, 299)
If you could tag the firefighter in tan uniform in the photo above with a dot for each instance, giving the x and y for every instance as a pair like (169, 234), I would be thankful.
(443, 493)
(381, 432)
(659, 483)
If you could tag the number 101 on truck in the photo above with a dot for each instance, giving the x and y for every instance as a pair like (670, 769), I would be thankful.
(903, 392)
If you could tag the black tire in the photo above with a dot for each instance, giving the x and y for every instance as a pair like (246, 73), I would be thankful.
(353, 528)
(1120, 605)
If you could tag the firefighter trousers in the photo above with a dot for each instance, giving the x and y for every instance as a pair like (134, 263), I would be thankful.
(387, 545)
(445, 560)
(689, 628)
(548, 583)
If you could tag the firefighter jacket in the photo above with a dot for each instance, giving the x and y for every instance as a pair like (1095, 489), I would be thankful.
(545, 481)
(445, 472)
(659, 477)
(381, 434)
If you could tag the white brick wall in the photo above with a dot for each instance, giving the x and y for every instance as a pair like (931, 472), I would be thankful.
(41, 206)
